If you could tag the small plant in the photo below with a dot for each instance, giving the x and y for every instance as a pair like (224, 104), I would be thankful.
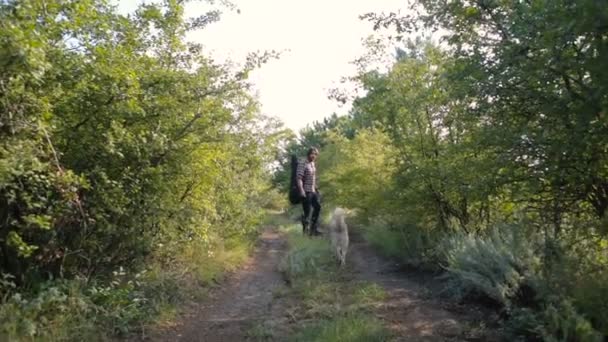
(348, 328)
(368, 293)
(260, 332)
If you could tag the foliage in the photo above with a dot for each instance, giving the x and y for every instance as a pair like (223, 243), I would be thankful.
(559, 321)
(503, 265)
(75, 310)
(408, 243)
(128, 137)
(346, 328)
(347, 164)
(121, 146)
(533, 75)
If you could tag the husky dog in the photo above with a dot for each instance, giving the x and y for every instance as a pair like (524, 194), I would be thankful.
(339, 234)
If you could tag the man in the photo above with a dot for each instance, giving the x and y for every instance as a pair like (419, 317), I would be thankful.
(307, 185)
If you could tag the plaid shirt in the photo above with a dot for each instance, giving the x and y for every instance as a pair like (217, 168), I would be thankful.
(307, 172)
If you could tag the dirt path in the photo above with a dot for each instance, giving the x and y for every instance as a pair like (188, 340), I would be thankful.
(412, 309)
(246, 299)
(252, 304)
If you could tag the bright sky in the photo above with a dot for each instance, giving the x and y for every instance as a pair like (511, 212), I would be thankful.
(319, 39)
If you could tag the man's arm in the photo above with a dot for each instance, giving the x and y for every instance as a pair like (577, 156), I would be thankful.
(299, 179)
(301, 187)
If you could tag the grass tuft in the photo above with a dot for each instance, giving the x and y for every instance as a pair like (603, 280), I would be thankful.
(348, 328)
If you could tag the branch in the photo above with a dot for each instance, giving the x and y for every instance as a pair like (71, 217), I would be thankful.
(61, 171)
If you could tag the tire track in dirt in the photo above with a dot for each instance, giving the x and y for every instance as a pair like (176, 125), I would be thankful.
(411, 310)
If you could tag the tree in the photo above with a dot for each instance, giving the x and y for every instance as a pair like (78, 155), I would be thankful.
(117, 135)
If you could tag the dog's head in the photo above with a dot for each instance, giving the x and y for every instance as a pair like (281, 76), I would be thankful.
(339, 212)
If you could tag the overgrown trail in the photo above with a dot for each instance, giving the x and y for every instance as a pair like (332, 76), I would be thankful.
(412, 310)
(255, 304)
(245, 299)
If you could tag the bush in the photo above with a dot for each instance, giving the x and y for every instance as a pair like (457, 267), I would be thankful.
(60, 311)
(502, 265)
(275, 199)
(581, 273)
(74, 310)
(558, 321)
(407, 242)
(563, 323)
(77, 310)
(590, 297)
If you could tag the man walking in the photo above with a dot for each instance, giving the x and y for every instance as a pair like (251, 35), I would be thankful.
(307, 185)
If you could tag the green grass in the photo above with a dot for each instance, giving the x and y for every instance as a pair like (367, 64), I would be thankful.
(260, 332)
(278, 219)
(348, 328)
(369, 293)
(306, 257)
(209, 265)
(388, 242)
(333, 305)
(408, 244)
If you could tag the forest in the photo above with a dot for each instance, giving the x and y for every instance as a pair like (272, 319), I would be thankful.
(133, 168)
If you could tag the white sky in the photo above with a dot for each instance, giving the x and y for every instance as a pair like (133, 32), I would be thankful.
(319, 39)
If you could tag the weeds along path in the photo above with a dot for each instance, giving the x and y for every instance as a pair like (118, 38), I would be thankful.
(246, 298)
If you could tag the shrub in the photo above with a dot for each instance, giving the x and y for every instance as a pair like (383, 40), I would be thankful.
(501, 265)
(61, 311)
(580, 273)
(590, 297)
(407, 242)
(558, 321)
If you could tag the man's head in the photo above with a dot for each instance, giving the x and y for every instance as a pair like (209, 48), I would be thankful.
(312, 154)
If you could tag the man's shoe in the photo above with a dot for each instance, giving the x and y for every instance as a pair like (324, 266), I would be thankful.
(304, 225)
(315, 229)
(315, 232)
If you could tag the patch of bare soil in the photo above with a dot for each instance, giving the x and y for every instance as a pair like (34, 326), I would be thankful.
(237, 307)
(413, 309)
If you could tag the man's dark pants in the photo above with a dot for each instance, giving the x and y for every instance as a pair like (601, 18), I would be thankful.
(312, 201)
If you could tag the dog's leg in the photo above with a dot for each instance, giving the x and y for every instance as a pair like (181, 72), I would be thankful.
(341, 257)
(337, 253)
